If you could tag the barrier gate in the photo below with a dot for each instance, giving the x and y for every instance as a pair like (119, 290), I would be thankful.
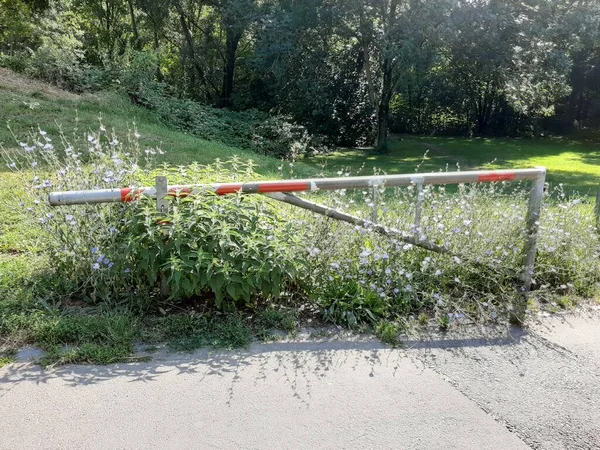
(281, 190)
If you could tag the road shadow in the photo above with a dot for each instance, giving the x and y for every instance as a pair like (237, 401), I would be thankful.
(298, 362)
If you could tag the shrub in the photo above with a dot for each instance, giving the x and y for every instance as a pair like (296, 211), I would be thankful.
(254, 130)
(234, 250)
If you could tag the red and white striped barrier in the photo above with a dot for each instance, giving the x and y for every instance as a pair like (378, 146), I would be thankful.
(315, 184)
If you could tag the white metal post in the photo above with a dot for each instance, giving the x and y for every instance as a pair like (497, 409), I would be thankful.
(375, 200)
(532, 227)
(162, 190)
(419, 203)
(162, 204)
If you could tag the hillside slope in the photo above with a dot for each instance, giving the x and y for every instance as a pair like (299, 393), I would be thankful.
(28, 104)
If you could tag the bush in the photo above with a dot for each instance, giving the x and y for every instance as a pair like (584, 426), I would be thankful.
(268, 135)
(234, 250)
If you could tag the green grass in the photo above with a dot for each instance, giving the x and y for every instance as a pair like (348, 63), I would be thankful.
(571, 161)
(25, 109)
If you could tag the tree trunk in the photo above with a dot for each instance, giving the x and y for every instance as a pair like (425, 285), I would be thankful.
(383, 111)
(232, 41)
(133, 24)
(190, 42)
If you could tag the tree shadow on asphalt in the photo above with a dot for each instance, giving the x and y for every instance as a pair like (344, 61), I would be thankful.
(297, 362)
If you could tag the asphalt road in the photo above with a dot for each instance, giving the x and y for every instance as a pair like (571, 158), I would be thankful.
(536, 389)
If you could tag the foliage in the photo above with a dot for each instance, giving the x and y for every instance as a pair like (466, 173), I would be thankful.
(233, 250)
(348, 70)
(387, 332)
(359, 277)
(253, 130)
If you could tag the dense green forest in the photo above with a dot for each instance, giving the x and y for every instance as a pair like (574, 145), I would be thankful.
(335, 72)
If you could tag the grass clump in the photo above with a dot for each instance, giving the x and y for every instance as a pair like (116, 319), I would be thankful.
(388, 333)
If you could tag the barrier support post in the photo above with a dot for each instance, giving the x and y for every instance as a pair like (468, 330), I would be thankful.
(162, 204)
(418, 204)
(375, 200)
(532, 227)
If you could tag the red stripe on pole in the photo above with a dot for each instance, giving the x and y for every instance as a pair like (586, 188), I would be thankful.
(493, 176)
(126, 195)
(228, 188)
(180, 192)
(283, 187)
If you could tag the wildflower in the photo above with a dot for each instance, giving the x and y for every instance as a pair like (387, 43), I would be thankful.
(396, 290)
(106, 261)
(388, 271)
(438, 272)
(69, 218)
(47, 183)
(127, 270)
(48, 147)
(315, 251)
(457, 280)
(94, 250)
(335, 265)
(96, 266)
(111, 264)
(386, 256)
(50, 216)
(42, 220)
(23, 144)
(34, 164)
(467, 222)
(408, 288)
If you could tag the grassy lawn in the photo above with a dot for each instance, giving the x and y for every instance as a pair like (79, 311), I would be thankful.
(574, 162)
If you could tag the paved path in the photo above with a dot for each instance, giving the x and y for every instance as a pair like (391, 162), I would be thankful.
(535, 389)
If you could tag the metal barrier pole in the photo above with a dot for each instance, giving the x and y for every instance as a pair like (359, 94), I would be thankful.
(532, 227)
(375, 200)
(419, 203)
(162, 191)
(162, 204)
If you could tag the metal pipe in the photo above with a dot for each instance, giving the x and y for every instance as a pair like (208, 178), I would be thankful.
(532, 227)
(313, 184)
(344, 217)
(418, 204)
